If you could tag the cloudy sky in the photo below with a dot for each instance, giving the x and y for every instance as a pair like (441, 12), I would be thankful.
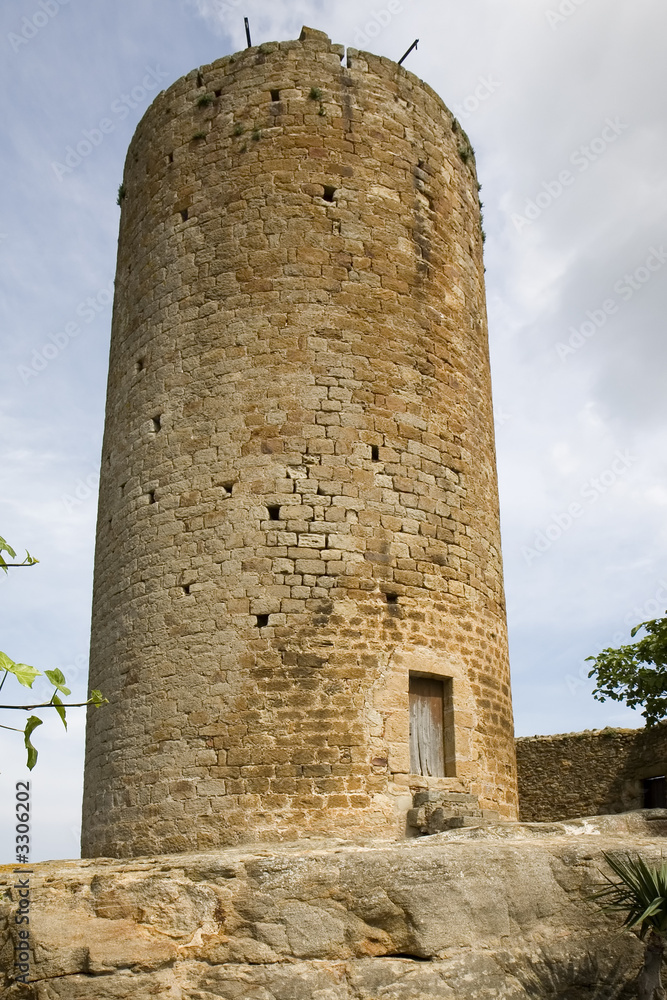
(564, 101)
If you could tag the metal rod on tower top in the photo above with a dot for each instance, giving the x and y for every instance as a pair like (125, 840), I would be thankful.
(247, 32)
(413, 46)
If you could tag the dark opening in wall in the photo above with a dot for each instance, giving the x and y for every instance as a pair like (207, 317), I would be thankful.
(200, 80)
(406, 954)
(375, 453)
(655, 793)
(151, 496)
(392, 598)
(184, 214)
(329, 192)
(186, 588)
(139, 364)
(275, 95)
(262, 621)
(122, 488)
(157, 423)
(217, 93)
(274, 513)
(170, 158)
(228, 487)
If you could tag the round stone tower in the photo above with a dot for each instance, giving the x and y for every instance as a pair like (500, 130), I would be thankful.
(298, 612)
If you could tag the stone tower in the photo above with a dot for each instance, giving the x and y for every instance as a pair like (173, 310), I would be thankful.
(298, 612)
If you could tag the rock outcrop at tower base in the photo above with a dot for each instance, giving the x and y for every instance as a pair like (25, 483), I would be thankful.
(497, 912)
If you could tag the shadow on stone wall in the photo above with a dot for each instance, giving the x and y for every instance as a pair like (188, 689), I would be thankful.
(581, 977)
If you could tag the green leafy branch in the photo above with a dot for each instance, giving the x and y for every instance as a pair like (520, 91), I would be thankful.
(26, 676)
(6, 547)
(637, 673)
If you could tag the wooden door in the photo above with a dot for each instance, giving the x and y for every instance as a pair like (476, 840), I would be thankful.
(427, 737)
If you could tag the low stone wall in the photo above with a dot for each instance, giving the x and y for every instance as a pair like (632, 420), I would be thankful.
(488, 913)
(587, 774)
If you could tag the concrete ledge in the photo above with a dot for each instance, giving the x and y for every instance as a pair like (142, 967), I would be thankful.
(489, 913)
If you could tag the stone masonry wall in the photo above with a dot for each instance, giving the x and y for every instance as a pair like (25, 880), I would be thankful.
(589, 773)
(298, 501)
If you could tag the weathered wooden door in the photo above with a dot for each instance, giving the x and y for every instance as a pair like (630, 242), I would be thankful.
(427, 737)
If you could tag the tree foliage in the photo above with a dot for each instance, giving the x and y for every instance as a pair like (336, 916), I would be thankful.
(26, 675)
(637, 673)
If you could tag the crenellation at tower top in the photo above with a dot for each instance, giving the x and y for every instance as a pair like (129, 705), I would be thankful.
(298, 611)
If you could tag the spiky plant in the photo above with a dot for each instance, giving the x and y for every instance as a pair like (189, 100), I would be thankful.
(641, 894)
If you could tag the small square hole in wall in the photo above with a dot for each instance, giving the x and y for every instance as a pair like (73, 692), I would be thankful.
(186, 588)
(274, 513)
(275, 95)
(329, 192)
(151, 496)
(262, 621)
(375, 453)
(217, 93)
(228, 487)
(392, 598)
(184, 214)
(170, 158)
(157, 423)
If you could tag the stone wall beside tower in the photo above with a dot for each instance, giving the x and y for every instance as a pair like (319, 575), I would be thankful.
(298, 519)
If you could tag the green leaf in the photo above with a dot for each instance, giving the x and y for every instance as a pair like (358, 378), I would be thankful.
(97, 699)
(60, 708)
(30, 727)
(24, 674)
(654, 907)
(5, 547)
(57, 678)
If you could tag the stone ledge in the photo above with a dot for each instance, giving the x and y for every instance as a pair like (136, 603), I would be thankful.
(437, 917)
